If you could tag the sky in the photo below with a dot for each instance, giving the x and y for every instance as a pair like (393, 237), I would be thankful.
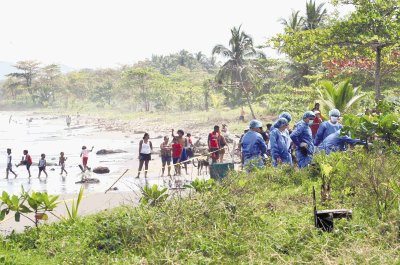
(108, 33)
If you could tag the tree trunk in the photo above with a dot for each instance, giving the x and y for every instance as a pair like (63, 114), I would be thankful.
(378, 73)
(251, 108)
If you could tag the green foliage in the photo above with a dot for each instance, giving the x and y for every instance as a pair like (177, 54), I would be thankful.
(36, 202)
(379, 125)
(341, 96)
(153, 195)
(73, 212)
(201, 185)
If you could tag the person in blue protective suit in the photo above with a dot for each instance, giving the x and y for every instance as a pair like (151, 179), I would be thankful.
(279, 151)
(253, 146)
(302, 138)
(286, 133)
(336, 142)
(328, 127)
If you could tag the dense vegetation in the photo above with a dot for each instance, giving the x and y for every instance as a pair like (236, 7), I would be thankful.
(264, 217)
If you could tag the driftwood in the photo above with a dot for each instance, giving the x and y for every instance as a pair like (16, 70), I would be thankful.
(110, 151)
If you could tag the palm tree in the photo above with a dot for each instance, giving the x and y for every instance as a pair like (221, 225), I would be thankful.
(341, 96)
(295, 22)
(315, 15)
(240, 69)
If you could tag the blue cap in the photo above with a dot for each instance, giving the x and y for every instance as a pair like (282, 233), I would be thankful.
(280, 122)
(255, 124)
(334, 112)
(308, 114)
(286, 115)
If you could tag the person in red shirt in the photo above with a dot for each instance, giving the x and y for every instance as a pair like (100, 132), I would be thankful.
(213, 143)
(315, 125)
(176, 155)
(27, 161)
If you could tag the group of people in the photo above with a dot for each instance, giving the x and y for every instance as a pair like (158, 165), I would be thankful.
(180, 150)
(311, 134)
(42, 164)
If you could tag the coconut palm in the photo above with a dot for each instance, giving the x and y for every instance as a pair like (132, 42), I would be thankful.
(295, 22)
(315, 15)
(241, 68)
(341, 96)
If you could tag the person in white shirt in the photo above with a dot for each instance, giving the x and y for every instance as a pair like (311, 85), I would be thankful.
(85, 157)
(145, 148)
(9, 164)
(42, 165)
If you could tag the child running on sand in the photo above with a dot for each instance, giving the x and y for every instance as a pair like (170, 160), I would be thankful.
(176, 155)
(9, 164)
(61, 162)
(85, 157)
(42, 165)
(165, 148)
(27, 161)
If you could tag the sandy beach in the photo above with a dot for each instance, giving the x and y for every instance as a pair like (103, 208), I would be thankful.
(48, 133)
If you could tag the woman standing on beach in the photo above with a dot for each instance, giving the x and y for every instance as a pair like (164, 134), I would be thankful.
(145, 148)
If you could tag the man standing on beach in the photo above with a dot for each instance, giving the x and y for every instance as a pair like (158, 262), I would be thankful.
(213, 143)
(183, 142)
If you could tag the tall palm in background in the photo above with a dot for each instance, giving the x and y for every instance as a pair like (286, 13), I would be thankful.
(315, 15)
(294, 23)
(341, 96)
(241, 69)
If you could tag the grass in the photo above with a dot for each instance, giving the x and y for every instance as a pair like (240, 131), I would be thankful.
(262, 218)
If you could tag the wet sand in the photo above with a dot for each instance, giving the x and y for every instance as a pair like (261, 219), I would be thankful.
(49, 134)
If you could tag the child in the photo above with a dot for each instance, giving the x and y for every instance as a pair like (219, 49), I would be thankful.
(42, 165)
(176, 155)
(85, 156)
(27, 161)
(9, 164)
(165, 148)
(61, 162)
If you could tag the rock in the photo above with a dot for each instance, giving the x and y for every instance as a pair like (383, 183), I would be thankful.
(88, 180)
(157, 137)
(110, 151)
(139, 132)
(101, 170)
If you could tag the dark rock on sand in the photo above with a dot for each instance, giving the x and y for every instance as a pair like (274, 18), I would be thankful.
(101, 170)
(110, 151)
(88, 180)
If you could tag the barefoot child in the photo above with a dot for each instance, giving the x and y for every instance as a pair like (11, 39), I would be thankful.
(42, 165)
(61, 162)
(85, 157)
(27, 161)
(9, 164)
(165, 148)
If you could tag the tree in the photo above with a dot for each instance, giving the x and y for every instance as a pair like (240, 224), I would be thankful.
(341, 96)
(315, 15)
(28, 70)
(375, 25)
(294, 23)
(240, 69)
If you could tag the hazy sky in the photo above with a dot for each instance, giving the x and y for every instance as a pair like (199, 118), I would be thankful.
(105, 33)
